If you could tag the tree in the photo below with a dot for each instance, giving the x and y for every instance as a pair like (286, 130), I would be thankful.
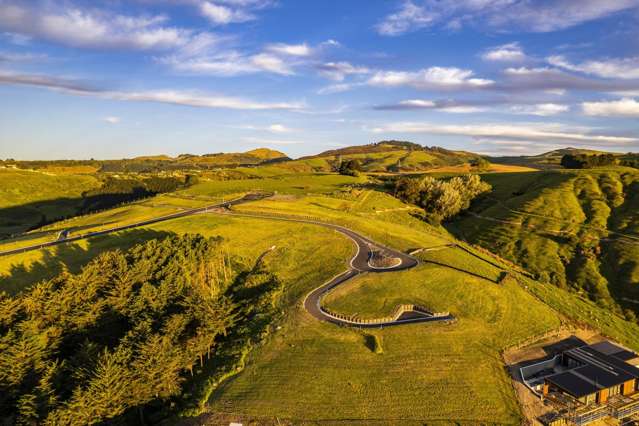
(350, 167)
(441, 199)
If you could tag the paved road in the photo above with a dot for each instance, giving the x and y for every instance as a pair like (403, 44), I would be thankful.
(358, 264)
(63, 239)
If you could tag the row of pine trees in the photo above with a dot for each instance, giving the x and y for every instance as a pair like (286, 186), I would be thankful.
(129, 333)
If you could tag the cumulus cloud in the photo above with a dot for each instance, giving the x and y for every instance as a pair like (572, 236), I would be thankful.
(626, 107)
(551, 15)
(623, 68)
(174, 97)
(537, 132)
(430, 78)
(511, 52)
(95, 29)
(339, 70)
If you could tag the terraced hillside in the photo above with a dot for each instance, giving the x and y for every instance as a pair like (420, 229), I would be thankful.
(575, 229)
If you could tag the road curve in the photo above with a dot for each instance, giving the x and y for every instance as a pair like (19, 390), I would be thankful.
(358, 264)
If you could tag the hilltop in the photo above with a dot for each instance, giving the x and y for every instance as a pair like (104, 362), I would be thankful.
(389, 156)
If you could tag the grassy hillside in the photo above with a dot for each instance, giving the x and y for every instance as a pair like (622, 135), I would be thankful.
(28, 198)
(385, 156)
(411, 375)
(575, 229)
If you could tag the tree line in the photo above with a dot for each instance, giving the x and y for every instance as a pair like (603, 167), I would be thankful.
(129, 335)
(587, 161)
(441, 199)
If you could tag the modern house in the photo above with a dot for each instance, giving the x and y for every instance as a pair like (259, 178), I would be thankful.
(593, 374)
(584, 383)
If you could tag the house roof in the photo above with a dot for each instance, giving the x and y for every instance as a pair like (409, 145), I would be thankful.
(597, 370)
(573, 384)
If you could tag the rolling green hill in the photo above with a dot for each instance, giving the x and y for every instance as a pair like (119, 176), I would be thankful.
(575, 229)
(419, 374)
(386, 156)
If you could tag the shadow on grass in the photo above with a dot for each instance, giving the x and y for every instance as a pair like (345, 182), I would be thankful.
(71, 256)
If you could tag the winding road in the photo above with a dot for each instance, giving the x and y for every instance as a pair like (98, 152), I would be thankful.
(359, 264)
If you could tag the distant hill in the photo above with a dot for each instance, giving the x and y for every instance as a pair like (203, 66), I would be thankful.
(386, 156)
(550, 159)
(155, 163)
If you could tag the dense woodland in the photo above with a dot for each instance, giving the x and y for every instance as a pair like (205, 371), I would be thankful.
(133, 333)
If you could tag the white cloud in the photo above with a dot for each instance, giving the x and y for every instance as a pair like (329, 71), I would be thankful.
(547, 78)
(336, 88)
(175, 97)
(279, 128)
(409, 17)
(339, 70)
(95, 29)
(542, 110)
(112, 120)
(430, 78)
(539, 132)
(214, 55)
(220, 14)
(623, 68)
(445, 106)
(622, 108)
(271, 63)
(526, 15)
(511, 52)
(290, 49)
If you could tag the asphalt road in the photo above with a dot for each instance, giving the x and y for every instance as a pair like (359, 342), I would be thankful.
(63, 236)
(312, 303)
(358, 264)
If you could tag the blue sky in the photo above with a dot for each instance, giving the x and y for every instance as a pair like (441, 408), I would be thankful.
(116, 78)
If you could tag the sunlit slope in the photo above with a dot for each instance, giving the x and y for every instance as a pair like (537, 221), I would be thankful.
(422, 374)
(577, 229)
(30, 197)
(385, 156)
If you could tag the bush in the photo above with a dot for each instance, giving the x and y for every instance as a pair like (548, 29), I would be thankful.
(350, 167)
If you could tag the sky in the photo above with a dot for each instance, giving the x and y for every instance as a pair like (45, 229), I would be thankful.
(122, 78)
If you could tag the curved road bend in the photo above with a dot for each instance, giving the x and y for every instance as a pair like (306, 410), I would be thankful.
(60, 240)
(358, 264)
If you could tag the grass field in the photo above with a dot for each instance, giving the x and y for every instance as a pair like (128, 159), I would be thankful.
(309, 371)
(29, 197)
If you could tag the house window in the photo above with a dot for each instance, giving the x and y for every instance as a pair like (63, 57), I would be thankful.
(615, 390)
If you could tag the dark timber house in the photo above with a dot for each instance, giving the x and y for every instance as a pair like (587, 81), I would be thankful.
(593, 374)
